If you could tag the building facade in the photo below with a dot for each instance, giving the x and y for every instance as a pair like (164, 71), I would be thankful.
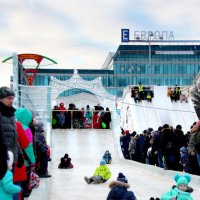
(149, 62)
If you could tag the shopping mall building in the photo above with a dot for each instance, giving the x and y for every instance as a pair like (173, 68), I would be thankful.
(149, 61)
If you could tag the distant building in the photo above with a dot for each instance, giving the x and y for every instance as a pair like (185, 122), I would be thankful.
(149, 62)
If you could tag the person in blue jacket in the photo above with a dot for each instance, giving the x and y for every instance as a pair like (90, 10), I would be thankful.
(107, 157)
(119, 189)
(7, 188)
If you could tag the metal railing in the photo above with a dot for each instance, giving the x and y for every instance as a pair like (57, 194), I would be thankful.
(81, 119)
(38, 100)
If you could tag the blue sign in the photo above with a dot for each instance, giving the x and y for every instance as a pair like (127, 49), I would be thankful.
(125, 35)
(146, 35)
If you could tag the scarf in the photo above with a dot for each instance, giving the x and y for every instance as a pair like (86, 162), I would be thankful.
(7, 111)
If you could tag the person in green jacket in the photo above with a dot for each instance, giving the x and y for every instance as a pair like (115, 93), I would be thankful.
(101, 174)
(149, 97)
(181, 191)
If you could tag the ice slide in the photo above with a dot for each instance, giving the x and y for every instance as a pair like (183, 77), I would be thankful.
(189, 117)
(161, 111)
(145, 116)
(86, 148)
(138, 116)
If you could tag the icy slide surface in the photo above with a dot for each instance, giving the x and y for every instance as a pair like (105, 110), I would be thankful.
(140, 116)
(86, 148)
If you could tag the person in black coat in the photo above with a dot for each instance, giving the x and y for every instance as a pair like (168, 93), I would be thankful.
(168, 145)
(180, 136)
(119, 189)
(41, 150)
(156, 148)
(125, 140)
(181, 142)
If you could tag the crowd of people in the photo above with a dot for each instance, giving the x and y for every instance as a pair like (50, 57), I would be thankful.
(24, 153)
(167, 147)
(84, 118)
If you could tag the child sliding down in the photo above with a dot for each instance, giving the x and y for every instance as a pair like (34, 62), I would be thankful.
(65, 162)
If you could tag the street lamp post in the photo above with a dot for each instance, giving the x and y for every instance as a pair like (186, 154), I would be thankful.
(150, 73)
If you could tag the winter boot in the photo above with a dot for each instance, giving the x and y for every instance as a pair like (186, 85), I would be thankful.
(87, 180)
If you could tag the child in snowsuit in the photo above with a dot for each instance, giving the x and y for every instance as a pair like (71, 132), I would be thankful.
(181, 191)
(107, 157)
(119, 189)
(65, 162)
(184, 159)
(149, 97)
(137, 96)
(42, 150)
(169, 91)
(101, 174)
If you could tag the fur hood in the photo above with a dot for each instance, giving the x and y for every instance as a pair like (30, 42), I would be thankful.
(118, 184)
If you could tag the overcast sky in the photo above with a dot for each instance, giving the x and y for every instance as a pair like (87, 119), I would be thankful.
(81, 33)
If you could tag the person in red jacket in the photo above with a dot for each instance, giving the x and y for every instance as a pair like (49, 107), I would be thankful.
(96, 120)
(61, 115)
(62, 107)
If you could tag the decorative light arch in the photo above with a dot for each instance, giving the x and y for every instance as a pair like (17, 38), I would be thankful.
(76, 82)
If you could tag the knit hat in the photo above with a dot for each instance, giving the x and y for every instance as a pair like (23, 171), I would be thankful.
(66, 156)
(103, 162)
(126, 131)
(6, 92)
(39, 126)
(182, 179)
(183, 149)
(179, 127)
(166, 126)
(122, 178)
